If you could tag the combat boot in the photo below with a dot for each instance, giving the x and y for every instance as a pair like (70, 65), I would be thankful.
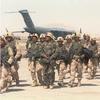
(61, 84)
(51, 86)
(34, 84)
(46, 86)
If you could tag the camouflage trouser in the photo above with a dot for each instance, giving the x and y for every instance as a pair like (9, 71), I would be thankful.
(92, 67)
(62, 68)
(85, 65)
(6, 78)
(39, 69)
(36, 71)
(6, 74)
(14, 71)
(48, 75)
(76, 68)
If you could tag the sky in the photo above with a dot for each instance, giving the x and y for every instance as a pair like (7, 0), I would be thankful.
(74, 14)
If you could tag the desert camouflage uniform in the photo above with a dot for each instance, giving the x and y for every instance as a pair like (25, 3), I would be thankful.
(48, 63)
(39, 65)
(93, 62)
(76, 66)
(17, 54)
(6, 61)
(68, 46)
(61, 54)
(33, 63)
(85, 44)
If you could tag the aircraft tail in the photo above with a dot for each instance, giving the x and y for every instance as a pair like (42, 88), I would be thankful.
(27, 19)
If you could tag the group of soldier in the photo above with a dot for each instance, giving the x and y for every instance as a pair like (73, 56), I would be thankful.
(45, 54)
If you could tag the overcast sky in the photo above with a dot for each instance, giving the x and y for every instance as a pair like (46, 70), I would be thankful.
(70, 13)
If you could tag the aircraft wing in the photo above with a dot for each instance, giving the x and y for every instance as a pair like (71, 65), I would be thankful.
(18, 31)
(58, 33)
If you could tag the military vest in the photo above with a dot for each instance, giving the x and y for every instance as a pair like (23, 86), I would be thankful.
(49, 48)
(93, 48)
(4, 53)
(76, 48)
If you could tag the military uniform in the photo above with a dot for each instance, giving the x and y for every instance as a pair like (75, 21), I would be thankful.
(6, 61)
(85, 42)
(39, 65)
(61, 57)
(17, 54)
(28, 41)
(48, 62)
(68, 44)
(32, 61)
(76, 66)
(93, 62)
(35, 67)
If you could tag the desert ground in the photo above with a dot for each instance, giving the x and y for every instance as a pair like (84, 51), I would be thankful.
(89, 89)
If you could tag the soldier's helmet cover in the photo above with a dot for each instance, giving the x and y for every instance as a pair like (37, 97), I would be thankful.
(60, 39)
(9, 34)
(35, 35)
(42, 35)
(49, 34)
(93, 37)
(68, 37)
(78, 34)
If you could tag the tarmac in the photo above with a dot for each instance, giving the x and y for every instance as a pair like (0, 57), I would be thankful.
(89, 89)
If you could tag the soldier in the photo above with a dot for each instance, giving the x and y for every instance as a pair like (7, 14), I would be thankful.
(85, 42)
(29, 40)
(38, 64)
(76, 66)
(68, 44)
(17, 56)
(93, 62)
(6, 54)
(47, 61)
(61, 54)
(33, 55)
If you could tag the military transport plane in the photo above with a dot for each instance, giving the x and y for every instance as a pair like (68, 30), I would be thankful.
(31, 28)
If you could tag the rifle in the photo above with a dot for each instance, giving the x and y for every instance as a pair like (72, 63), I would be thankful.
(33, 54)
(4, 61)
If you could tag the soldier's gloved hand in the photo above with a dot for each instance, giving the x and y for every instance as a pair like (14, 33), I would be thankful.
(18, 57)
(10, 61)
